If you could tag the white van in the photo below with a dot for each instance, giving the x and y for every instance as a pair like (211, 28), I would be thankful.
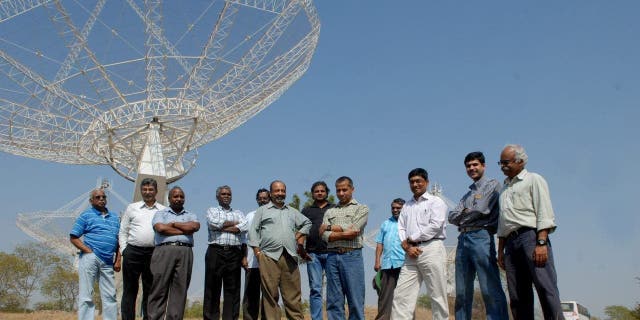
(574, 311)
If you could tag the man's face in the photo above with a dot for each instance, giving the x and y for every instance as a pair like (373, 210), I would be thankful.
(148, 193)
(508, 163)
(176, 199)
(475, 169)
(418, 185)
(98, 200)
(344, 191)
(395, 209)
(278, 193)
(319, 193)
(224, 197)
(263, 198)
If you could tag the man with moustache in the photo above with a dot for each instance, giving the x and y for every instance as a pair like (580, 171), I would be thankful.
(251, 300)
(137, 243)
(277, 236)
(477, 219)
(421, 227)
(342, 228)
(316, 248)
(172, 259)
(389, 259)
(524, 249)
(99, 229)
(223, 258)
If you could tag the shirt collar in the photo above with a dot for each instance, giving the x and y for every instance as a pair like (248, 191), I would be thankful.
(225, 210)
(477, 184)
(425, 196)
(176, 213)
(272, 205)
(154, 206)
(100, 212)
(520, 176)
(352, 202)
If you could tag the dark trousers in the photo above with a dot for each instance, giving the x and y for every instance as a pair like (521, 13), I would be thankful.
(388, 283)
(222, 268)
(251, 301)
(135, 264)
(171, 269)
(522, 273)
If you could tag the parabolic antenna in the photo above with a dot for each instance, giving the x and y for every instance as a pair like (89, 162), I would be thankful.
(139, 85)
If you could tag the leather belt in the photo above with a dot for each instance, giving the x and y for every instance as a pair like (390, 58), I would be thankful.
(224, 246)
(417, 243)
(518, 232)
(341, 250)
(469, 229)
(175, 243)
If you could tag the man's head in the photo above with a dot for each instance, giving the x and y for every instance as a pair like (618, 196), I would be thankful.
(512, 160)
(149, 190)
(176, 199)
(418, 181)
(344, 189)
(223, 194)
(263, 196)
(474, 164)
(396, 207)
(278, 193)
(319, 191)
(98, 200)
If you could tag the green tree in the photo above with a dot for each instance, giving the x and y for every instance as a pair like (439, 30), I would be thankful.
(424, 301)
(12, 270)
(193, 309)
(295, 201)
(39, 261)
(619, 313)
(61, 286)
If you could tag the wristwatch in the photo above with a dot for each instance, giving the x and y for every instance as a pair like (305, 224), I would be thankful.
(541, 242)
(328, 227)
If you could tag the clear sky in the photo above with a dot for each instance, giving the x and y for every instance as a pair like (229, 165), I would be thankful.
(396, 85)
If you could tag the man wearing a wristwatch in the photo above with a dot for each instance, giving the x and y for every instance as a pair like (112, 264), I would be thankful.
(524, 249)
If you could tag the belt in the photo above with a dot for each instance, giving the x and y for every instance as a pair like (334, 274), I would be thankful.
(417, 243)
(469, 229)
(341, 250)
(175, 243)
(224, 246)
(518, 232)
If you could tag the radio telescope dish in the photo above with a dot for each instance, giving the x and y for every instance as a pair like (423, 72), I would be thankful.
(140, 85)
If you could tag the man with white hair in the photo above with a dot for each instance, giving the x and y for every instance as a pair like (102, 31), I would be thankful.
(524, 249)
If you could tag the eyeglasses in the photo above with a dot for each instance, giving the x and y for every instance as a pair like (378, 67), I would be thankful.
(100, 197)
(506, 162)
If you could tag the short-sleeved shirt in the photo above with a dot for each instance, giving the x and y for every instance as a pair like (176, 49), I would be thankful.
(100, 232)
(352, 215)
(251, 258)
(166, 216)
(392, 253)
(315, 214)
(525, 202)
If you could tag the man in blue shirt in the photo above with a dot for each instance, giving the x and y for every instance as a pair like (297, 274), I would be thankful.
(172, 259)
(99, 229)
(389, 248)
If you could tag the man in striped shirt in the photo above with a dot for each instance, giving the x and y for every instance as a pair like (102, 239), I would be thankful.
(342, 228)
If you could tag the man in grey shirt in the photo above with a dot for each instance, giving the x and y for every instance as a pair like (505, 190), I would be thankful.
(277, 236)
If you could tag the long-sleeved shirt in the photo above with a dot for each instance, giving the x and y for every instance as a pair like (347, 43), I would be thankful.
(525, 202)
(135, 226)
(251, 258)
(273, 230)
(352, 215)
(424, 219)
(216, 218)
(482, 204)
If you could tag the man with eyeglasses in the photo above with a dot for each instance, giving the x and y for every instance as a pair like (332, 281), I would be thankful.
(524, 249)
(98, 228)
(476, 216)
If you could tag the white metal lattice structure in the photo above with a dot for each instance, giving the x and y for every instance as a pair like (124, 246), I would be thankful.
(51, 228)
(141, 84)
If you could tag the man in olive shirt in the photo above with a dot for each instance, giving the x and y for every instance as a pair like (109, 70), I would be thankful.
(342, 229)
(524, 249)
(277, 236)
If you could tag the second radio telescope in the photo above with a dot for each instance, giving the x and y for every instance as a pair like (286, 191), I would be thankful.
(139, 85)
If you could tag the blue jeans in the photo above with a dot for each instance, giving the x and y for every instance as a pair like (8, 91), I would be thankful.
(345, 278)
(315, 270)
(476, 253)
(90, 269)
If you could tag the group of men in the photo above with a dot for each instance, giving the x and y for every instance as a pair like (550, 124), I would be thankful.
(271, 242)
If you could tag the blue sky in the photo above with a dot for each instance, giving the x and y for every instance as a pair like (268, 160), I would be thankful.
(396, 85)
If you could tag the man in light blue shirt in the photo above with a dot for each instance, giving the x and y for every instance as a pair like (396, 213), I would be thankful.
(389, 248)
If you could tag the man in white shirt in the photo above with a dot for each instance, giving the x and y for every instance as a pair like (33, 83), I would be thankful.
(421, 227)
(136, 239)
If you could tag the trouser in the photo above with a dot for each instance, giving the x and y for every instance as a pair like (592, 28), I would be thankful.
(282, 275)
(251, 301)
(91, 269)
(522, 273)
(388, 283)
(345, 278)
(222, 268)
(476, 254)
(429, 266)
(135, 265)
(315, 273)
(171, 270)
